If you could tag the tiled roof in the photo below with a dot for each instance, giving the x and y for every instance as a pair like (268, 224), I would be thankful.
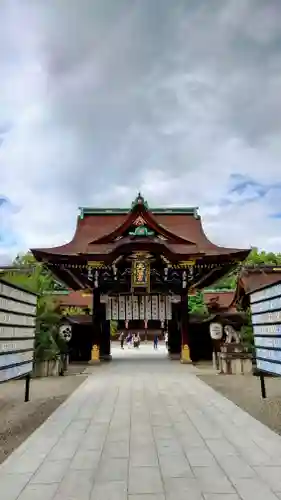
(223, 300)
(93, 227)
(252, 279)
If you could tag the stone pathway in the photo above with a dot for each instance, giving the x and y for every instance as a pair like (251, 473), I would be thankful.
(144, 428)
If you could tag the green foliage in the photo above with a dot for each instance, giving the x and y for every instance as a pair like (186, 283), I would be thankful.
(267, 258)
(48, 343)
(73, 311)
(46, 348)
(33, 277)
(113, 328)
(196, 304)
(255, 258)
(247, 334)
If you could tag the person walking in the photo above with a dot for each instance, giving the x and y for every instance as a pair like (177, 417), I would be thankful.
(129, 339)
(155, 341)
(136, 340)
(166, 337)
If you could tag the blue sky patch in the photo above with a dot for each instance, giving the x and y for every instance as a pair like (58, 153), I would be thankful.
(276, 215)
(244, 183)
(3, 201)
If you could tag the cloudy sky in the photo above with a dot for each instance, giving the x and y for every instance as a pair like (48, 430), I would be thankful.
(101, 98)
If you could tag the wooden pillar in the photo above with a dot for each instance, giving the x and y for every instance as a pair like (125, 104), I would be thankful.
(185, 347)
(96, 333)
(175, 333)
(105, 344)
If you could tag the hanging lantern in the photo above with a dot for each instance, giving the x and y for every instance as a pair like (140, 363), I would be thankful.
(65, 332)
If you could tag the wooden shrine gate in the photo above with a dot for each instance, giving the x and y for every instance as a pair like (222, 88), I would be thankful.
(140, 257)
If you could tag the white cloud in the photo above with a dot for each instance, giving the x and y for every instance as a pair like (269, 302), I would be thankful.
(100, 99)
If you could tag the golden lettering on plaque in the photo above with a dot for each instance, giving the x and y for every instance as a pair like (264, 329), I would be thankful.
(140, 273)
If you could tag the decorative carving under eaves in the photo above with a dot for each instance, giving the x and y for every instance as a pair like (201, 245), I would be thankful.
(174, 276)
(141, 255)
(165, 260)
(139, 221)
(96, 264)
(142, 231)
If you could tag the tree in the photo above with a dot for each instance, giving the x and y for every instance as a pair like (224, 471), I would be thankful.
(255, 258)
(47, 341)
(196, 304)
(30, 274)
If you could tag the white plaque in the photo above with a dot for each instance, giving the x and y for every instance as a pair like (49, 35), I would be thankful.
(162, 308)
(154, 307)
(12, 292)
(135, 307)
(148, 307)
(17, 331)
(114, 308)
(15, 371)
(169, 302)
(128, 307)
(267, 366)
(266, 293)
(266, 320)
(122, 315)
(142, 307)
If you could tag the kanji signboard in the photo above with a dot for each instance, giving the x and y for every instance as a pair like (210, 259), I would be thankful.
(266, 320)
(17, 331)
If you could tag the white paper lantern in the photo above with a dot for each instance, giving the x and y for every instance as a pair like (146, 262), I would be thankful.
(216, 331)
(65, 332)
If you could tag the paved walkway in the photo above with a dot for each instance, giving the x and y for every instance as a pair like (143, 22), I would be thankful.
(144, 429)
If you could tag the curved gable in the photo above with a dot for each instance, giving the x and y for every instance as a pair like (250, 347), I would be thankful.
(140, 221)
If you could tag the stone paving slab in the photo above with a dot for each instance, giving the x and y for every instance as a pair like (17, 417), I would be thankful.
(145, 428)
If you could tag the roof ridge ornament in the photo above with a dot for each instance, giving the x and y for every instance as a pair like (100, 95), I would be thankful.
(139, 201)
